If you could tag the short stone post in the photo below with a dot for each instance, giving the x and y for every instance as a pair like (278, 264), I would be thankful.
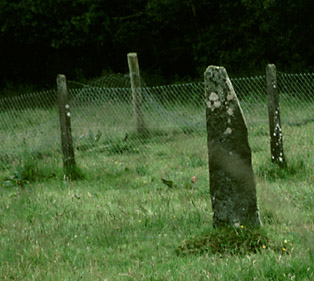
(275, 131)
(65, 126)
(232, 184)
(136, 93)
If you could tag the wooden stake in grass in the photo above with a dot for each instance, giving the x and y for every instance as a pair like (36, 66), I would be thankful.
(275, 131)
(136, 93)
(65, 126)
(232, 184)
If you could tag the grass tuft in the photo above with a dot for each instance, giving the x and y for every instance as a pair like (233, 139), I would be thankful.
(228, 240)
(30, 170)
(273, 171)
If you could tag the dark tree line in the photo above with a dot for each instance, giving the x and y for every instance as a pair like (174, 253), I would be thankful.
(174, 38)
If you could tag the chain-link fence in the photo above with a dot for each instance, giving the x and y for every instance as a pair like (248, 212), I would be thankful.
(103, 119)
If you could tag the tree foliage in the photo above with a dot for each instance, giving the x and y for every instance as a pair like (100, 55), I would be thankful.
(39, 39)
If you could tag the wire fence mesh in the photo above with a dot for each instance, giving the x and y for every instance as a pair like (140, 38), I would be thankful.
(103, 119)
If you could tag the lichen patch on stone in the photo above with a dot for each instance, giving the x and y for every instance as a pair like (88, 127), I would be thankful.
(213, 96)
(228, 131)
(230, 111)
(217, 104)
(230, 96)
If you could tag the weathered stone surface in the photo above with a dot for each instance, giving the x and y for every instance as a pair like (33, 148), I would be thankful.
(65, 126)
(276, 142)
(232, 184)
(136, 93)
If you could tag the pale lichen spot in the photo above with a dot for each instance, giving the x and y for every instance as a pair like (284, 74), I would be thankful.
(230, 96)
(67, 106)
(209, 104)
(229, 120)
(213, 96)
(228, 131)
(69, 114)
(217, 104)
(230, 111)
(237, 225)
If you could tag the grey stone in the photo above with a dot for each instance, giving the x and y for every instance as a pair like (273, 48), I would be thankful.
(232, 184)
(275, 131)
(65, 126)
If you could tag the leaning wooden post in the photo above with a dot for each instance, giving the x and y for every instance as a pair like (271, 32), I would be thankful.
(65, 126)
(136, 93)
(275, 131)
(232, 184)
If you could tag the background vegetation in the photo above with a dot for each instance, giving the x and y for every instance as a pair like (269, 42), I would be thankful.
(174, 39)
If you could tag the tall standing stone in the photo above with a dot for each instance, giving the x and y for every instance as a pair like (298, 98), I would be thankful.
(232, 184)
(275, 131)
(136, 93)
(65, 127)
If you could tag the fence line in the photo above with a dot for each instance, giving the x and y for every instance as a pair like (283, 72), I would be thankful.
(102, 117)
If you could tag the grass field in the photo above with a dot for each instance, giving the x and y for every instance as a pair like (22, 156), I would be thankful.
(121, 222)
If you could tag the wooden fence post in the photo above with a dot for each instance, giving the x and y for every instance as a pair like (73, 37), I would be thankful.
(136, 93)
(232, 184)
(275, 131)
(65, 126)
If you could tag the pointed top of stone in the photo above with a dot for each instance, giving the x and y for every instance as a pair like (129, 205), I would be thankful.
(215, 71)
